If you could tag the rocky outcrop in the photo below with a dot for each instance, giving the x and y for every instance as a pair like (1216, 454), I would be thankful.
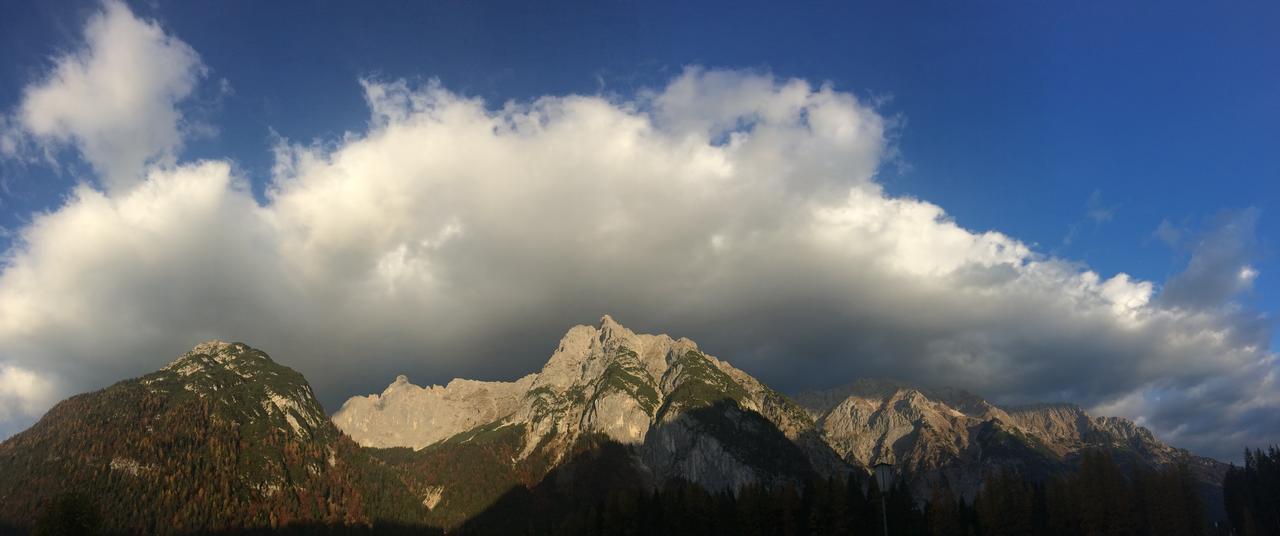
(406, 415)
(952, 434)
(1066, 429)
(873, 421)
(682, 414)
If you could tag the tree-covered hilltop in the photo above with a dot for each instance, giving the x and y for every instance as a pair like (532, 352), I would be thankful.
(223, 438)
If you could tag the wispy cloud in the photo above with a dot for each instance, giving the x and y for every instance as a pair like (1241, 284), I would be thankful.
(1220, 267)
(1168, 233)
(1095, 214)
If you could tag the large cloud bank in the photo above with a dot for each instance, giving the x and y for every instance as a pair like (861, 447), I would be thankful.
(456, 237)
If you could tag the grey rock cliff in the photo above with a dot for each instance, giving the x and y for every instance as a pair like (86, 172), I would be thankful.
(954, 435)
(686, 414)
(406, 415)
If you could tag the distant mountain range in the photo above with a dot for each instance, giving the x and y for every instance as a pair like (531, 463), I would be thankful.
(224, 438)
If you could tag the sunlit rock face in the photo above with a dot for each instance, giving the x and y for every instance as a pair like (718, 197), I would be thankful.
(685, 414)
(1066, 428)
(874, 421)
(952, 435)
(406, 415)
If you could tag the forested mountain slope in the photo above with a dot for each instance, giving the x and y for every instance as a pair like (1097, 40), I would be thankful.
(222, 438)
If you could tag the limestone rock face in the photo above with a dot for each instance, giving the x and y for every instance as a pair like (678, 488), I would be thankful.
(954, 435)
(406, 415)
(618, 416)
(683, 449)
(685, 414)
(1065, 428)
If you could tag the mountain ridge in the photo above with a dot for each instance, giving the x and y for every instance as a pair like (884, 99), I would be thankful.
(954, 437)
(680, 413)
(610, 382)
(224, 424)
(643, 368)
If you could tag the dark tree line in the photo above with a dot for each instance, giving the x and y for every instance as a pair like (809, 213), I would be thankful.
(1098, 498)
(1252, 494)
(832, 506)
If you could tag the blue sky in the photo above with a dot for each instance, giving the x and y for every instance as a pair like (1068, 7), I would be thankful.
(1138, 139)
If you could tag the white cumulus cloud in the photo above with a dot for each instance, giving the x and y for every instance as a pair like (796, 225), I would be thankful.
(115, 99)
(459, 237)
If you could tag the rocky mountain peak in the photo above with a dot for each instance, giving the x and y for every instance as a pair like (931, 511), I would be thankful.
(947, 432)
(586, 359)
(220, 355)
(823, 401)
(600, 381)
(905, 397)
(212, 347)
(400, 385)
(586, 352)
(609, 327)
(678, 413)
(244, 383)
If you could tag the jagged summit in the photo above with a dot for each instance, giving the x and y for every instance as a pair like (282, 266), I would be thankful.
(606, 364)
(608, 323)
(956, 435)
(684, 414)
(1043, 406)
(822, 400)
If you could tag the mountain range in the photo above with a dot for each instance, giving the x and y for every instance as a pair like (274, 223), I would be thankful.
(226, 426)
